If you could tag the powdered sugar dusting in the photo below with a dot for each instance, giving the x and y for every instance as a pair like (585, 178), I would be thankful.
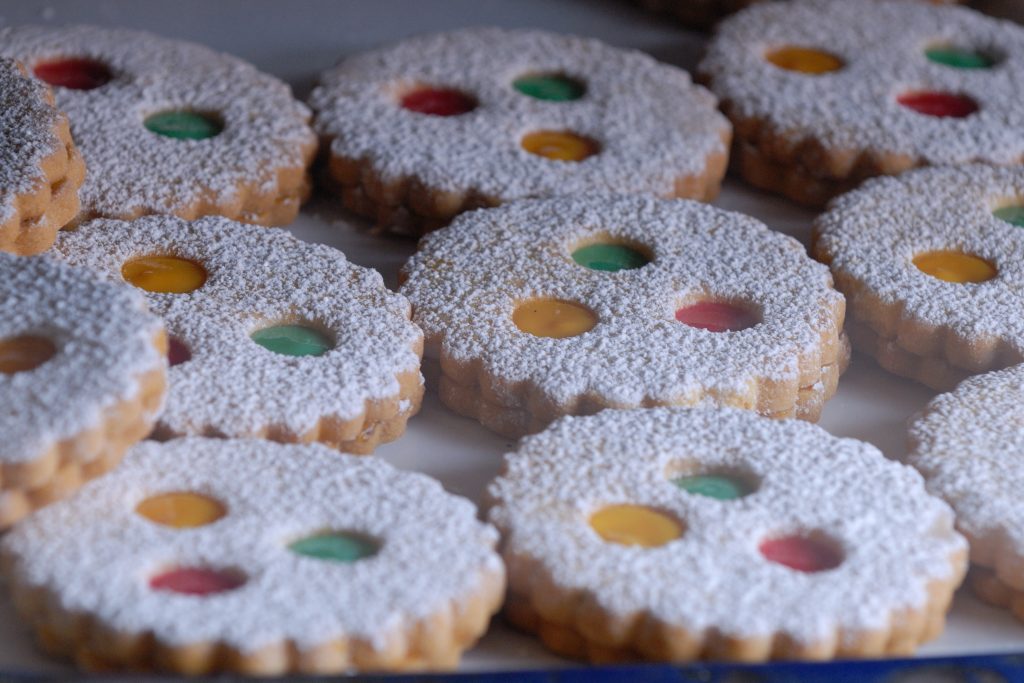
(652, 123)
(872, 234)
(105, 343)
(894, 537)
(465, 282)
(132, 170)
(882, 44)
(258, 278)
(96, 555)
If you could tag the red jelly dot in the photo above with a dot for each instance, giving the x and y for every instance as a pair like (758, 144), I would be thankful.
(177, 352)
(74, 73)
(716, 317)
(439, 102)
(802, 553)
(196, 581)
(941, 104)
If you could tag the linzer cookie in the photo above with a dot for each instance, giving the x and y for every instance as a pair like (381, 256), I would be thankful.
(270, 337)
(203, 555)
(40, 168)
(932, 265)
(543, 308)
(82, 376)
(172, 127)
(678, 534)
(969, 445)
(825, 93)
(421, 131)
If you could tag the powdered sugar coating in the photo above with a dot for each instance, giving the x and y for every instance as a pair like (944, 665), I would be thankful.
(872, 234)
(27, 135)
(882, 44)
(133, 171)
(95, 555)
(652, 123)
(968, 444)
(105, 341)
(466, 280)
(895, 538)
(257, 278)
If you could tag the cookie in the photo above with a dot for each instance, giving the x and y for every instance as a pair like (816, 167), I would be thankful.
(968, 444)
(203, 555)
(714, 533)
(171, 127)
(824, 93)
(40, 168)
(544, 308)
(436, 125)
(82, 377)
(932, 266)
(270, 337)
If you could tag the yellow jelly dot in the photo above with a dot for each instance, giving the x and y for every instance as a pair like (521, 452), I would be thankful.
(559, 145)
(24, 353)
(182, 510)
(164, 274)
(635, 525)
(553, 318)
(954, 266)
(804, 60)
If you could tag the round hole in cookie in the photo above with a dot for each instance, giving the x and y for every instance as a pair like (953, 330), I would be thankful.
(24, 353)
(718, 316)
(336, 546)
(1012, 214)
(636, 525)
(181, 509)
(438, 101)
(73, 73)
(550, 87)
(177, 352)
(955, 266)
(293, 340)
(554, 318)
(164, 274)
(610, 255)
(197, 581)
(560, 145)
(939, 104)
(184, 124)
(804, 60)
(960, 57)
(809, 553)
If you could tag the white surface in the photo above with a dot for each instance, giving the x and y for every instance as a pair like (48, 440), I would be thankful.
(298, 39)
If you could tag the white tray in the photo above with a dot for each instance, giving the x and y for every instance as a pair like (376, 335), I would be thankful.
(298, 39)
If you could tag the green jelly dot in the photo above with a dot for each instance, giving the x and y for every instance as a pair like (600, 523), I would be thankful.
(958, 58)
(292, 340)
(609, 257)
(183, 125)
(712, 486)
(550, 88)
(1014, 215)
(337, 547)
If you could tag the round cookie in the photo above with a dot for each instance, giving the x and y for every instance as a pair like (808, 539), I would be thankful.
(40, 168)
(82, 377)
(825, 93)
(678, 534)
(543, 308)
(202, 555)
(436, 125)
(968, 445)
(271, 337)
(172, 127)
(932, 266)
